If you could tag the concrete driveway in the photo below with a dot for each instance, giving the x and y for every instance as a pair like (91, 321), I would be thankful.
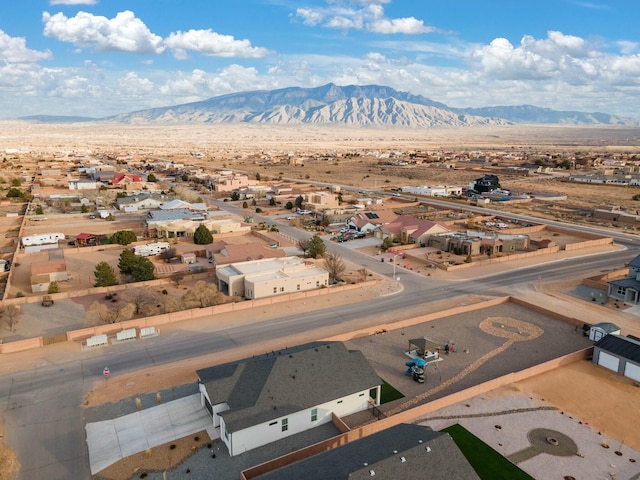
(112, 440)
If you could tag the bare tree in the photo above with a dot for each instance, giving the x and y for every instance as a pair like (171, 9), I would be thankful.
(177, 277)
(334, 264)
(363, 274)
(169, 254)
(9, 316)
(141, 298)
(303, 244)
(202, 295)
(99, 312)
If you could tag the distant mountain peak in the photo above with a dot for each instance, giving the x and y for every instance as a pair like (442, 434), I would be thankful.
(360, 105)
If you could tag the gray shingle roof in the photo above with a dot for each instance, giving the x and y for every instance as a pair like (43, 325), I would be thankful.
(382, 453)
(626, 282)
(287, 381)
(635, 262)
(624, 347)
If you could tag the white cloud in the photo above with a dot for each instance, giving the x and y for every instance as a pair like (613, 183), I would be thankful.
(73, 2)
(123, 33)
(14, 50)
(210, 43)
(364, 15)
(407, 26)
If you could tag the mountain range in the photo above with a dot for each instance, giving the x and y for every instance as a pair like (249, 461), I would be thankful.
(367, 105)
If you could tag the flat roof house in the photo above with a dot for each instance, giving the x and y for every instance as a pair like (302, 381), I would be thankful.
(270, 276)
(264, 399)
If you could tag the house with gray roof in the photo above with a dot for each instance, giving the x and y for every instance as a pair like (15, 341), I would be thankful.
(404, 451)
(133, 203)
(619, 354)
(264, 399)
(627, 288)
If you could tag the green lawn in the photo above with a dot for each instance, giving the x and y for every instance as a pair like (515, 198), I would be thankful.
(488, 464)
(387, 393)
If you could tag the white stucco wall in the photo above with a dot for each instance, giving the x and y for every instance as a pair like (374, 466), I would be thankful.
(271, 431)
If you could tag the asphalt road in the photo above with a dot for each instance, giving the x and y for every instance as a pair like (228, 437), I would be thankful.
(42, 404)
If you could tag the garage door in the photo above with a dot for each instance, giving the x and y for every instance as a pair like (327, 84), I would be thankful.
(632, 371)
(608, 361)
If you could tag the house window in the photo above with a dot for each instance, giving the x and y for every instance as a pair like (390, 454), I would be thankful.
(282, 289)
(272, 424)
(298, 287)
(317, 283)
(275, 289)
(339, 401)
(285, 424)
(314, 414)
(621, 290)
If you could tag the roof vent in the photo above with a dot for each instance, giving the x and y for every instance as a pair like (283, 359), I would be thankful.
(428, 449)
(419, 441)
(365, 464)
(402, 459)
(372, 473)
(395, 451)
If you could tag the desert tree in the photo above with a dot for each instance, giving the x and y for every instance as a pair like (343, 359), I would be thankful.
(123, 237)
(334, 264)
(141, 298)
(142, 270)
(364, 273)
(126, 261)
(177, 277)
(303, 244)
(169, 254)
(317, 248)
(101, 313)
(105, 275)
(299, 201)
(202, 295)
(202, 236)
(288, 206)
(54, 287)
(10, 316)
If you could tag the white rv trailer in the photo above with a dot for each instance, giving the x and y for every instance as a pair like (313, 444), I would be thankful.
(150, 249)
(42, 239)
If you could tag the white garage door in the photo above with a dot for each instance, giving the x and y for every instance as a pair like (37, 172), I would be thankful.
(632, 371)
(608, 361)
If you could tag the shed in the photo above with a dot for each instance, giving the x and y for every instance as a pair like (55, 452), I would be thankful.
(188, 258)
(619, 354)
(599, 330)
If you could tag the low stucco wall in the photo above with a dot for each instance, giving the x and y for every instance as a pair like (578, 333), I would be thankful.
(167, 318)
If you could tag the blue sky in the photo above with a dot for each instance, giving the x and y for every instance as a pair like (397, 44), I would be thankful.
(102, 57)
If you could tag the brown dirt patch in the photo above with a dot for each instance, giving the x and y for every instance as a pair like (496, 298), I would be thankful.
(157, 459)
(593, 394)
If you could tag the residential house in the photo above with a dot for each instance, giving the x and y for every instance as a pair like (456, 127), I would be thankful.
(627, 289)
(368, 221)
(177, 204)
(143, 201)
(269, 276)
(404, 451)
(157, 218)
(222, 253)
(43, 273)
(83, 184)
(407, 229)
(264, 399)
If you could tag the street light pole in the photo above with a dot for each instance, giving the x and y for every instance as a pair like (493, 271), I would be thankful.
(394, 265)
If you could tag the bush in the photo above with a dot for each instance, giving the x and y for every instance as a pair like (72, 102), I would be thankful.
(123, 237)
(202, 236)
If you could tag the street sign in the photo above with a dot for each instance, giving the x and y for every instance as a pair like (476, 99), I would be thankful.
(106, 371)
